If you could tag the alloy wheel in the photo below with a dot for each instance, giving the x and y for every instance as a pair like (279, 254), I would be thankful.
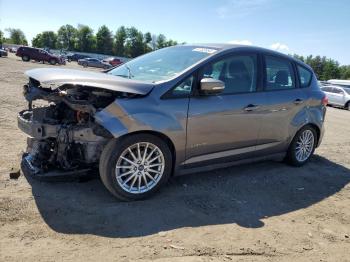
(304, 145)
(140, 167)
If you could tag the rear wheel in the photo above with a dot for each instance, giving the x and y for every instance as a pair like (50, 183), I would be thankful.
(302, 147)
(347, 106)
(135, 167)
(25, 58)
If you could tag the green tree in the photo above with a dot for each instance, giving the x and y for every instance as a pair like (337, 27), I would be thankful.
(49, 39)
(85, 39)
(37, 41)
(330, 70)
(345, 72)
(161, 41)
(120, 38)
(1, 37)
(134, 42)
(104, 40)
(147, 42)
(66, 37)
(16, 36)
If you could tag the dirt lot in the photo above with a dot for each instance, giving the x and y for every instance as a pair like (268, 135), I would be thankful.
(261, 212)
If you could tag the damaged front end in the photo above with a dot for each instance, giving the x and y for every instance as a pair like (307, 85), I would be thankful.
(64, 138)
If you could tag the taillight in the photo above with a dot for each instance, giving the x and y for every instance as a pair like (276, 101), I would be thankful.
(325, 100)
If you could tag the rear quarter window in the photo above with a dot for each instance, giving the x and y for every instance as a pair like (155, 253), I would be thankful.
(305, 76)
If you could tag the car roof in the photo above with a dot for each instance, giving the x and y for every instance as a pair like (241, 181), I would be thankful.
(228, 47)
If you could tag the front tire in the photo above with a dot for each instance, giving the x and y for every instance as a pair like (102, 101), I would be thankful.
(347, 106)
(135, 167)
(25, 58)
(52, 61)
(302, 146)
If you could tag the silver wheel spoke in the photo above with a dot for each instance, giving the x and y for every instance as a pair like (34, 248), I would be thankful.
(153, 159)
(153, 171)
(125, 174)
(144, 153)
(127, 160)
(133, 182)
(138, 151)
(304, 146)
(127, 167)
(154, 165)
(150, 154)
(145, 179)
(132, 154)
(130, 177)
(140, 167)
(151, 177)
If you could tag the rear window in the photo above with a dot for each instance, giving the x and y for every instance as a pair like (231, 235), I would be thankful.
(305, 76)
(279, 74)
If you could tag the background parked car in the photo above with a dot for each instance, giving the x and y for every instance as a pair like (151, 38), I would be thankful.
(94, 62)
(113, 61)
(338, 95)
(76, 57)
(37, 54)
(13, 50)
(3, 52)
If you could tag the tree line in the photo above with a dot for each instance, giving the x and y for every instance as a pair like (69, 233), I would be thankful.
(125, 42)
(130, 42)
(326, 68)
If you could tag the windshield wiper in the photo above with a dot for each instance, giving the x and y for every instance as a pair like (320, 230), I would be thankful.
(129, 71)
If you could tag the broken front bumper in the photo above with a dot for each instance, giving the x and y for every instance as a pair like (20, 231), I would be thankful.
(34, 128)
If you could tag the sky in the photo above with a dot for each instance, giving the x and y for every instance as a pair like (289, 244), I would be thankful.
(304, 27)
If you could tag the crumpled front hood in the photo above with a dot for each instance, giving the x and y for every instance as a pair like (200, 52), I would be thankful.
(57, 76)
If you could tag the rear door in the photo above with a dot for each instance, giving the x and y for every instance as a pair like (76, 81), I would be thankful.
(285, 101)
(225, 126)
(338, 96)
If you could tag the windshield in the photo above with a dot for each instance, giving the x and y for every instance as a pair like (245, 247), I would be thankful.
(162, 64)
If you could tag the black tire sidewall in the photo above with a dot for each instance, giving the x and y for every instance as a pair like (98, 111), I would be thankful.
(25, 58)
(291, 154)
(109, 159)
(52, 61)
(347, 106)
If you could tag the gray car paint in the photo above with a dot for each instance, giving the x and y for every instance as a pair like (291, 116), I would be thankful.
(56, 77)
(212, 127)
(204, 131)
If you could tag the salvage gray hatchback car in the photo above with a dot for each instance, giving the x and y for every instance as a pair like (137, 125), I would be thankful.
(177, 110)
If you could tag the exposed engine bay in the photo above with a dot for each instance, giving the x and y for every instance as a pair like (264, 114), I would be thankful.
(63, 135)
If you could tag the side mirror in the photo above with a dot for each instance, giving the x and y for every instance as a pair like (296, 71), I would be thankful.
(211, 86)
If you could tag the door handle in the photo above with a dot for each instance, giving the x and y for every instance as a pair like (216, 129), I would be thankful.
(251, 107)
(298, 101)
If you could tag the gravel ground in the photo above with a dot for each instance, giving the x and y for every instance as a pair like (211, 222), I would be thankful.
(259, 212)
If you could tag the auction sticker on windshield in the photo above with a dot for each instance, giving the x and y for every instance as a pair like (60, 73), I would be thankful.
(205, 50)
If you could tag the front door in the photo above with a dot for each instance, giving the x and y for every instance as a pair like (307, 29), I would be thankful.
(225, 126)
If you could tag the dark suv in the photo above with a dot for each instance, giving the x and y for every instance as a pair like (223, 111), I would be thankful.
(40, 55)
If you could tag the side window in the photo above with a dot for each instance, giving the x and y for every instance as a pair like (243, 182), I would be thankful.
(337, 90)
(183, 89)
(305, 76)
(279, 74)
(239, 73)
